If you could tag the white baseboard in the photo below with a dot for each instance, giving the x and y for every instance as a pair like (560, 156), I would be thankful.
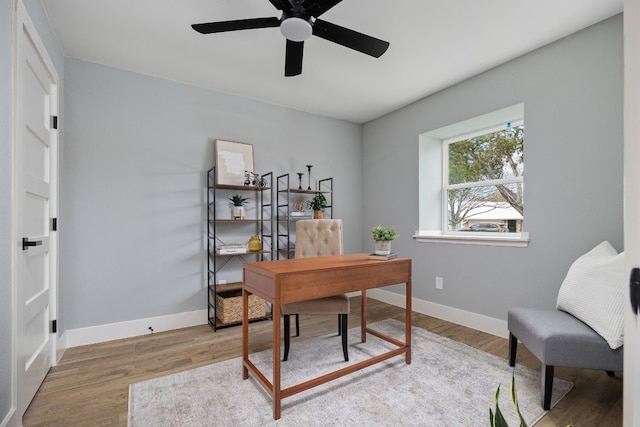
(132, 328)
(468, 319)
(61, 346)
(138, 327)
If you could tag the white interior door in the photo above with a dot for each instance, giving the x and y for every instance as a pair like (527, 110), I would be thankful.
(36, 192)
(632, 204)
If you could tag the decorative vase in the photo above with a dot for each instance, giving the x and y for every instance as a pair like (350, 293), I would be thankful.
(255, 245)
(318, 215)
(383, 247)
(237, 212)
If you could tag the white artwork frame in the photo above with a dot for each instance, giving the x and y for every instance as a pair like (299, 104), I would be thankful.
(232, 160)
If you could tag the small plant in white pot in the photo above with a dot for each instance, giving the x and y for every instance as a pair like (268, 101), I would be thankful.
(383, 237)
(318, 205)
(237, 206)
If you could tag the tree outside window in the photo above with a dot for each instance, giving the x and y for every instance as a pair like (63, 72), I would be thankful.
(483, 172)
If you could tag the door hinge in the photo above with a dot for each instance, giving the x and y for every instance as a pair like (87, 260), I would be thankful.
(54, 224)
(54, 326)
(54, 122)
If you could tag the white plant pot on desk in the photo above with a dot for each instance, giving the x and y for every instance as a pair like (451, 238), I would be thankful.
(383, 247)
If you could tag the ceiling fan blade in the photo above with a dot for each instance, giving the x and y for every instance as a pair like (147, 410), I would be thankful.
(281, 4)
(293, 61)
(239, 24)
(318, 7)
(349, 38)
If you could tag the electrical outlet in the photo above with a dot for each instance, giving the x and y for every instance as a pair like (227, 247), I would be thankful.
(439, 283)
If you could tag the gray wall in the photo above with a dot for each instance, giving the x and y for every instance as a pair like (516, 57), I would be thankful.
(6, 15)
(137, 149)
(572, 91)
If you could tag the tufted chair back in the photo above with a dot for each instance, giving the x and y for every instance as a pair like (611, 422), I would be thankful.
(318, 237)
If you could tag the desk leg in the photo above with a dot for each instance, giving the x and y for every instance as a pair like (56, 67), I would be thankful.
(363, 316)
(245, 333)
(407, 356)
(276, 360)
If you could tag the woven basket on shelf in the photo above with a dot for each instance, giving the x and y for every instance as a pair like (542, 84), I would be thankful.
(229, 306)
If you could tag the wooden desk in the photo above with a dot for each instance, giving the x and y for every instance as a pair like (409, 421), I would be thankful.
(287, 281)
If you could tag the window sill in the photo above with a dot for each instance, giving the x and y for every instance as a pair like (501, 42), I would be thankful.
(519, 240)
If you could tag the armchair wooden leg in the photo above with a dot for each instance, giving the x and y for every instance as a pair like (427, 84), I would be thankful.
(513, 347)
(343, 326)
(547, 386)
(287, 330)
(611, 373)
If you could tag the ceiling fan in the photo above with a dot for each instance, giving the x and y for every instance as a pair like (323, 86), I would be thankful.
(298, 22)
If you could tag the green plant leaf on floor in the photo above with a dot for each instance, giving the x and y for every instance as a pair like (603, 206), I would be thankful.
(497, 419)
(514, 399)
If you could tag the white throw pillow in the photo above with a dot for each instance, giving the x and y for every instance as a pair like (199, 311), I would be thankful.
(593, 292)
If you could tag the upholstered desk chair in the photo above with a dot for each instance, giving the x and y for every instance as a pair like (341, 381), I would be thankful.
(318, 237)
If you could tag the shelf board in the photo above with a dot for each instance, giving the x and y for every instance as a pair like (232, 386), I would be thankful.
(246, 253)
(219, 324)
(298, 191)
(240, 187)
(226, 287)
(241, 220)
(295, 218)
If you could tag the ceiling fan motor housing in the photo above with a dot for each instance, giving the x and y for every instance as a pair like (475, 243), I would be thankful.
(296, 26)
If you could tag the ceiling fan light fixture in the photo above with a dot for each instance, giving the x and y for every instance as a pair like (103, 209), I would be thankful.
(296, 29)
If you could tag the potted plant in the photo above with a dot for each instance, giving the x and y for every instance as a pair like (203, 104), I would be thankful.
(318, 204)
(237, 206)
(383, 237)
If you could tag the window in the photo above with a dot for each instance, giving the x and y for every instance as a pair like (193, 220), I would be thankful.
(483, 176)
(472, 181)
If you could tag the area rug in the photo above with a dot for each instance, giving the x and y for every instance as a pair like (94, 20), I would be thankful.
(447, 384)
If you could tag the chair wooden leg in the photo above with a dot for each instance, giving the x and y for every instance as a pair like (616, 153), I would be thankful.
(611, 373)
(513, 347)
(547, 386)
(287, 330)
(343, 325)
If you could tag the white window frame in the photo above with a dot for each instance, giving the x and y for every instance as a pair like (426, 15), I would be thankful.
(482, 125)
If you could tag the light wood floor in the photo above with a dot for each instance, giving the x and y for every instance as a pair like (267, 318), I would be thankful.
(90, 385)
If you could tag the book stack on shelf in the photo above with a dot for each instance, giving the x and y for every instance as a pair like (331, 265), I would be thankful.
(301, 215)
(231, 249)
(392, 255)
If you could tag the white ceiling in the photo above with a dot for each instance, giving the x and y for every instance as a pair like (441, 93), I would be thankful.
(434, 44)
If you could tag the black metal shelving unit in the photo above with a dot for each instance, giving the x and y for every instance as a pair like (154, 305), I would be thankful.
(284, 219)
(217, 227)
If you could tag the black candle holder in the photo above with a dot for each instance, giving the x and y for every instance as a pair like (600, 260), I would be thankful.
(309, 169)
(300, 180)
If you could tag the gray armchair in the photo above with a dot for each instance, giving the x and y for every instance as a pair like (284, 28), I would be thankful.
(587, 328)
(557, 338)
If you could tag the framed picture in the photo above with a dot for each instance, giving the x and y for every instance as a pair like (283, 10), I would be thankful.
(232, 160)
